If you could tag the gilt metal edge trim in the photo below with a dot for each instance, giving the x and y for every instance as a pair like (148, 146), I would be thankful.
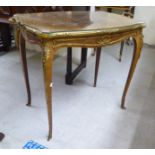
(80, 33)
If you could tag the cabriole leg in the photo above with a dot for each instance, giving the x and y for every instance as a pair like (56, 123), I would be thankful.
(24, 65)
(138, 43)
(47, 61)
(98, 55)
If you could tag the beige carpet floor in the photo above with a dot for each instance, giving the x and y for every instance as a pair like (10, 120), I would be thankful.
(83, 116)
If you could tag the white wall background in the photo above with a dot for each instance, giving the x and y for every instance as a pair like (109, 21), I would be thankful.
(147, 14)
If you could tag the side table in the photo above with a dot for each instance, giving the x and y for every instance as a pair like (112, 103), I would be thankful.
(75, 29)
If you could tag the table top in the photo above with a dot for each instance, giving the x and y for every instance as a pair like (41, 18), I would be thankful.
(50, 24)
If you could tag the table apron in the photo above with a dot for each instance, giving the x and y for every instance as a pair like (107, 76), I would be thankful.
(83, 41)
(94, 41)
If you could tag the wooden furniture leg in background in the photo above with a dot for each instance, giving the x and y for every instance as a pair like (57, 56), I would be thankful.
(84, 57)
(47, 61)
(121, 51)
(71, 75)
(5, 37)
(98, 55)
(69, 66)
(24, 65)
(138, 43)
